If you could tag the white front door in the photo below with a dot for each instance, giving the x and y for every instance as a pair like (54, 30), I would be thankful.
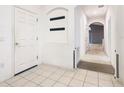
(25, 40)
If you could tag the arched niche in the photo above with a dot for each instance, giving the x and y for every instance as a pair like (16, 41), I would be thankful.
(57, 8)
(58, 25)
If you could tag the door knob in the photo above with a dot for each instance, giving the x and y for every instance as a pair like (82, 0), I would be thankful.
(16, 43)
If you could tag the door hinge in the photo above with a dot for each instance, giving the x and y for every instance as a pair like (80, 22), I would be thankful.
(73, 58)
(37, 38)
(37, 57)
(37, 20)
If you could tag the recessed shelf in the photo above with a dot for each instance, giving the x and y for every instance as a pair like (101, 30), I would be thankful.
(57, 18)
(57, 29)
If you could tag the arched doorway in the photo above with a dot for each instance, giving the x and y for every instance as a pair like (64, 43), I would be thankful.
(96, 33)
(96, 38)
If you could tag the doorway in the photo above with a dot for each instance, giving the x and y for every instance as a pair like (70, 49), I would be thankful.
(95, 58)
(95, 44)
(96, 39)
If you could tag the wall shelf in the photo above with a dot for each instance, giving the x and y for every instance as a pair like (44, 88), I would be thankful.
(57, 18)
(57, 29)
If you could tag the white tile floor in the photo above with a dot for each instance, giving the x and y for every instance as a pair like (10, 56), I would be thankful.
(53, 76)
(96, 54)
(101, 59)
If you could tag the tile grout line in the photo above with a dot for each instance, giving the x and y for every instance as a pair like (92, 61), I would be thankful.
(60, 77)
(32, 81)
(13, 81)
(28, 79)
(46, 78)
(66, 76)
(52, 79)
(112, 82)
(71, 79)
(98, 79)
(85, 78)
(17, 79)
(39, 75)
(9, 85)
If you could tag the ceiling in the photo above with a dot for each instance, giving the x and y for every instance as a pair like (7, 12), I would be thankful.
(93, 11)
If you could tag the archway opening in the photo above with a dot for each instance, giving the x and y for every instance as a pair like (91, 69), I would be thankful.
(96, 38)
(96, 33)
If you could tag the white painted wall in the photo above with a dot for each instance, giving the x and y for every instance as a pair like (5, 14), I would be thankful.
(117, 37)
(54, 51)
(92, 20)
(5, 42)
(83, 34)
(120, 39)
(107, 35)
(77, 38)
(78, 12)
(32, 8)
(110, 27)
(112, 13)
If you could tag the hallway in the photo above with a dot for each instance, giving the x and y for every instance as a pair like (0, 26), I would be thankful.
(96, 54)
(96, 59)
(95, 36)
(96, 49)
